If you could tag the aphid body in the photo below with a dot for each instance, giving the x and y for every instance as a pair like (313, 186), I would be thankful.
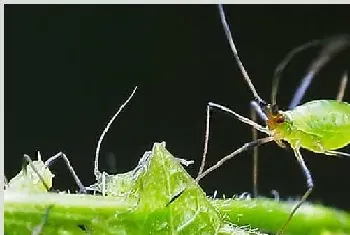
(35, 178)
(319, 126)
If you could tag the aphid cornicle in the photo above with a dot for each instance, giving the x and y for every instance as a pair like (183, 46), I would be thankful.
(320, 126)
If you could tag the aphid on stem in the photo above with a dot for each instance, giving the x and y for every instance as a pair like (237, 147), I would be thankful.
(36, 176)
(320, 126)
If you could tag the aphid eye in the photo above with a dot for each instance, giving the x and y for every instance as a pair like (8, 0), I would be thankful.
(279, 119)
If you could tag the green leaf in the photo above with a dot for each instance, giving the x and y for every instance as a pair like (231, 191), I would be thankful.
(160, 197)
(157, 197)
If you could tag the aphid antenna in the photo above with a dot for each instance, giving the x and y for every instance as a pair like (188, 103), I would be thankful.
(97, 173)
(332, 46)
(228, 33)
(280, 67)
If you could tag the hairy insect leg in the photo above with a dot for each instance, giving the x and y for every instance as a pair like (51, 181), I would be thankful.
(27, 159)
(38, 229)
(53, 159)
(254, 110)
(342, 87)
(310, 186)
(210, 106)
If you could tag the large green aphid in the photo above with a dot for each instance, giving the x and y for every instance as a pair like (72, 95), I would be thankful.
(320, 126)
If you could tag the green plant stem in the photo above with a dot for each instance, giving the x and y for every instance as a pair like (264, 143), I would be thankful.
(268, 215)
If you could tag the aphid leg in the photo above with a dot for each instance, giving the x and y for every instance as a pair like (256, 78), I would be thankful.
(336, 153)
(255, 109)
(27, 159)
(255, 151)
(104, 183)
(245, 147)
(38, 229)
(239, 117)
(342, 87)
(206, 140)
(310, 186)
(52, 159)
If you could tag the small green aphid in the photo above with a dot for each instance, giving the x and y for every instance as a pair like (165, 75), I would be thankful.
(320, 126)
(33, 178)
(36, 177)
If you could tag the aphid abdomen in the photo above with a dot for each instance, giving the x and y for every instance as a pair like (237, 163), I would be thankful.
(322, 125)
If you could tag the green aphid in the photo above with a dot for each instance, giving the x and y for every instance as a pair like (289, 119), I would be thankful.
(35, 177)
(320, 126)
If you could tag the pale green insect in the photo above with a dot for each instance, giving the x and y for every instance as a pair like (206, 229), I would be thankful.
(33, 178)
(36, 177)
(320, 126)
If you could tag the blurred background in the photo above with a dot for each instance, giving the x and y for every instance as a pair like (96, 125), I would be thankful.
(68, 68)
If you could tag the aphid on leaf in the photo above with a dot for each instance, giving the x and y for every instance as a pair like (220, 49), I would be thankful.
(320, 126)
(36, 176)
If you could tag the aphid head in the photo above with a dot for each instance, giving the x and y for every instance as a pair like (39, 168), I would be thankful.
(275, 117)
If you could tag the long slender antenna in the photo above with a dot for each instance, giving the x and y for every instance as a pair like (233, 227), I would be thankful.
(332, 46)
(235, 53)
(280, 67)
(96, 171)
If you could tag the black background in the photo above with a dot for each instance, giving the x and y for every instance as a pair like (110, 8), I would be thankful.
(69, 67)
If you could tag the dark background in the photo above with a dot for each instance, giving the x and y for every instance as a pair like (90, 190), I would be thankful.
(69, 67)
